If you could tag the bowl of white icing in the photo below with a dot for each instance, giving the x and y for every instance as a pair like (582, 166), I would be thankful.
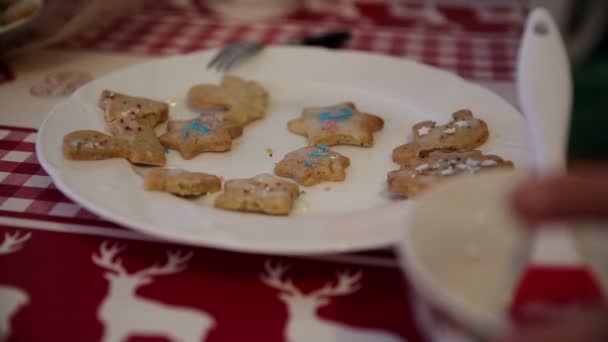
(464, 252)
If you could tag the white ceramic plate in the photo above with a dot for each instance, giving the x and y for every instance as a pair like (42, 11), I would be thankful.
(331, 217)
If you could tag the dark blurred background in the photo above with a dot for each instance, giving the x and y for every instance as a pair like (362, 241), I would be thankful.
(589, 134)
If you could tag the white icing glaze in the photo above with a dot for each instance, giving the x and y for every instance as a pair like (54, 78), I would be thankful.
(422, 131)
(472, 162)
(489, 162)
(270, 186)
(462, 123)
(85, 144)
(450, 130)
(350, 125)
(449, 167)
(421, 167)
(303, 155)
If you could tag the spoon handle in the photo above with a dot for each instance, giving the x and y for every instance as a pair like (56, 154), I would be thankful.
(544, 83)
(556, 276)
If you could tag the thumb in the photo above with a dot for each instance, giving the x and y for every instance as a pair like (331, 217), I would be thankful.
(580, 195)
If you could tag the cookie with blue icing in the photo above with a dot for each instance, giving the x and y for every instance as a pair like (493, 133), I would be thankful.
(313, 165)
(209, 132)
(340, 124)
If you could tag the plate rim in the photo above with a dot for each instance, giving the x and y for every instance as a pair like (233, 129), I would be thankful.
(397, 209)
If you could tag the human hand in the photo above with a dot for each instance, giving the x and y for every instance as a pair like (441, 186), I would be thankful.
(581, 194)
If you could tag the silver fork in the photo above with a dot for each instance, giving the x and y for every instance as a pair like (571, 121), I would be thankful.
(235, 53)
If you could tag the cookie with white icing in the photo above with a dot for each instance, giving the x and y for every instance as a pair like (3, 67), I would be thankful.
(181, 182)
(313, 165)
(340, 124)
(464, 132)
(263, 193)
(422, 173)
(93, 145)
(141, 148)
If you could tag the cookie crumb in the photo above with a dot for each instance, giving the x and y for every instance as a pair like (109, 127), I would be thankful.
(327, 188)
(269, 152)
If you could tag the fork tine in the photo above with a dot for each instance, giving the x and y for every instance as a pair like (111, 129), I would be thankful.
(220, 55)
(228, 59)
(247, 52)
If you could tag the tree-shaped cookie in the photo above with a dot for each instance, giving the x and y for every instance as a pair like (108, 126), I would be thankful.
(207, 133)
(313, 165)
(181, 182)
(341, 124)
(422, 173)
(93, 145)
(464, 132)
(134, 119)
(119, 108)
(244, 101)
(263, 193)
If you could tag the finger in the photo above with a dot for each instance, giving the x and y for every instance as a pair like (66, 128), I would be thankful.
(580, 195)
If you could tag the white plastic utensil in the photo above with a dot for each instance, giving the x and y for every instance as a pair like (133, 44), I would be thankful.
(544, 84)
(556, 277)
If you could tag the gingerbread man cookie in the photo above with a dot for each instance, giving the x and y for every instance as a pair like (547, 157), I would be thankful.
(93, 145)
(207, 133)
(263, 193)
(181, 182)
(313, 165)
(341, 124)
(464, 132)
(422, 173)
(244, 101)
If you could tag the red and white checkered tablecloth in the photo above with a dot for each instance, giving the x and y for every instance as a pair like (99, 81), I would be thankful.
(52, 270)
(26, 190)
(477, 43)
(52, 288)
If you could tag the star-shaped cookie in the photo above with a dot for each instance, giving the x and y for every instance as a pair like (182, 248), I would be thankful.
(464, 132)
(341, 124)
(313, 165)
(244, 101)
(207, 133)
(422, 173)
(263, 193)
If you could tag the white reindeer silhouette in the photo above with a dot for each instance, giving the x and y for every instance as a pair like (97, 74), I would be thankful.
(303, 324)
(124, 313)
(12, 299)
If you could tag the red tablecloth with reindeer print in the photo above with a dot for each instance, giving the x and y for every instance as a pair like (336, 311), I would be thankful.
(68, 275)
